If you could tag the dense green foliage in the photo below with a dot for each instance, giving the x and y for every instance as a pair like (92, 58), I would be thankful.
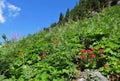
(57, 54)
(83, 9)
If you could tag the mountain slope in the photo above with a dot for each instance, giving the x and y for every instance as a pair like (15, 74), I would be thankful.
(56, 54)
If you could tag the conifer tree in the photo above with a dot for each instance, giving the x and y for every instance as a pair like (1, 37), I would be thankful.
(61, 19)
(75, 13)
(67, 16)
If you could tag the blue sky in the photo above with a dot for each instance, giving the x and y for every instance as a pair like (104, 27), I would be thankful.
(23, 17)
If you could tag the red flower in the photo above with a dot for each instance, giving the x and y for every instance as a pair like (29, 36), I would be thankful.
(83, 51)
(101, 51)
(101, 54)
(89, 60)
(86, 51)
(56, 41)
(81, 57)
(93, 56)
(20, 52)
(105, 66)
(92, 49)
(89, 51)
(43, 55)
(85, 56)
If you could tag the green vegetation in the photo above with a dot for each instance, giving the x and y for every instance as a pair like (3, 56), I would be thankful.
(60, 52)
(83, 9)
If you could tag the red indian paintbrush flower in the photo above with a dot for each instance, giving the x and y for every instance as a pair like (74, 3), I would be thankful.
(101, 54)
(85, 56)
(89, 51)
(105, 66)
(83, 51)
(101, 51)
(43, 55)
(56, 41)
(81, 57)
(93, 56)
(92, 49)
(20, 52)
(89, 60)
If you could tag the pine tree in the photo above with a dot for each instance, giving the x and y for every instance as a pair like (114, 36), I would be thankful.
(61, 19)
(53, 25)
(67, 16)
(75, 13)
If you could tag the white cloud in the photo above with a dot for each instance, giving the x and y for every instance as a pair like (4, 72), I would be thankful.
(11, 10)
(2, 6)
(2, 19)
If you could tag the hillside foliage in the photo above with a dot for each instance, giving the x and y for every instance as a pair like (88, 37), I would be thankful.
(63, 51)
(83, 9)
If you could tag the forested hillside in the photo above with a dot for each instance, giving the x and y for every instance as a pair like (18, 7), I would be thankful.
(84, 9)
(63, 51)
